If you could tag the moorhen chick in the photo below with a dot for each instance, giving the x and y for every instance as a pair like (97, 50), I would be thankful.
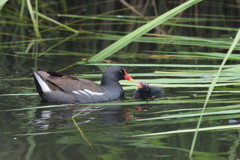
(57, 88)
(144, 91)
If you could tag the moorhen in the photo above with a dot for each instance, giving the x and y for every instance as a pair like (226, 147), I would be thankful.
(57, 88)
(144, 91)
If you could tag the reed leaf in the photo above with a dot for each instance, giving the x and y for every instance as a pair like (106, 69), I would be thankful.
(160, 65)
(56, 22)
(192, 130)
(237, 38)
(192, 115)
(22, 9)
(35, 22)
(2, 3)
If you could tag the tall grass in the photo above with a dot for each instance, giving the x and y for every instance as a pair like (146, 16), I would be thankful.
(34, 18)
(210, 90)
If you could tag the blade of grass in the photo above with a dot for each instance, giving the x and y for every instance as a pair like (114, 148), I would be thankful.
(191, 130)
(140, 31)
(2, 3)
(36, 8)
(235, 41)
(80, 130)
(35, 25)
(224, 112)
(56, 22)
(159, 65)
(22, 9)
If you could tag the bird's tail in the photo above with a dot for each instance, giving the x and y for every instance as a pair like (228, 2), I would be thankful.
(41, 85)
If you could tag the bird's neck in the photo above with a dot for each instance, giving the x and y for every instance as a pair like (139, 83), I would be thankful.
(109, 82)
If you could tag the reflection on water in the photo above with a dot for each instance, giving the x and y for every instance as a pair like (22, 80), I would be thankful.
(98, 132)
(58, 117)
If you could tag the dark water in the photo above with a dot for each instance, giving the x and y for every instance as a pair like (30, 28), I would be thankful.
(35, 131)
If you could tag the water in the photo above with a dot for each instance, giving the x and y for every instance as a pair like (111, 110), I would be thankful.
(117, 130)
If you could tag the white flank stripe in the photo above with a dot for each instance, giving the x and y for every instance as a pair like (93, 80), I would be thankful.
(93, 93)
(83, 92)
(41, 82)
(75, 92)
(87, 92)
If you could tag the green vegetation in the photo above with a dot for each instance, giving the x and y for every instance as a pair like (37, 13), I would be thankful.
(190, 49)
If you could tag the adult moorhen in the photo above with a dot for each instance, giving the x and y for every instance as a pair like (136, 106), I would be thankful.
(144, 91)
(57, 88)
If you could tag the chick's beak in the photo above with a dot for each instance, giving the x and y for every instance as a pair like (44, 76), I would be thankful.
(139, 85)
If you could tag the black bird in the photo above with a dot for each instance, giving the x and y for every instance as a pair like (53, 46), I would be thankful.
(57, 88)
(144, 91)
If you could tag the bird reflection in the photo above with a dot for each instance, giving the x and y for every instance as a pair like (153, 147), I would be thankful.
(49, 118)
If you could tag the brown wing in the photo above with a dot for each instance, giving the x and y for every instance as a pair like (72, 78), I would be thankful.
(68, 84)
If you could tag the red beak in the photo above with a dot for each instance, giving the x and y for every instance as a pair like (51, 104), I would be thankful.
(127, 76)
(139, 85)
